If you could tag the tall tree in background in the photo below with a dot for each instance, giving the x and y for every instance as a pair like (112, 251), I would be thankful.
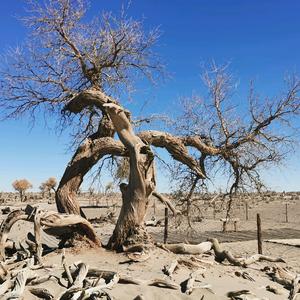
(80, 68)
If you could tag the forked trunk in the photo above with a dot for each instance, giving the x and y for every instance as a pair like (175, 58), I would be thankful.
(135, 195)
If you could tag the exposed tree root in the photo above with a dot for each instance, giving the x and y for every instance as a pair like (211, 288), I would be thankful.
(51, 222)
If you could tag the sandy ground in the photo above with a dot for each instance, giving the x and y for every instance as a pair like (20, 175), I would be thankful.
(221, 277)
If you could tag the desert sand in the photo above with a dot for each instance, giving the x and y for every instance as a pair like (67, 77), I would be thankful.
(216, 280)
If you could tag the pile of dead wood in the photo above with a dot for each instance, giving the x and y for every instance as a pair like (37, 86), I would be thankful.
(20, 262)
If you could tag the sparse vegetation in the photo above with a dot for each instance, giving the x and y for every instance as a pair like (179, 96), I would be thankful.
(81, 71)
(22, 185)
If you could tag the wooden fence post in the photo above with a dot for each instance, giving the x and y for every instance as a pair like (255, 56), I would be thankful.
(286, 213)
(214, 208)
(247, 216)
(166, 225)
(259, 240)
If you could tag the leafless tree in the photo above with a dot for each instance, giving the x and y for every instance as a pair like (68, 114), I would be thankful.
(21, 186)
(242, 142)
(78, 68)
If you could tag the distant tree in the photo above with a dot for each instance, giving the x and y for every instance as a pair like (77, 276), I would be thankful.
(21, 186)
(49, 185)
(43, 188)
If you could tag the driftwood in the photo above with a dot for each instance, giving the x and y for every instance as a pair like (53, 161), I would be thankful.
(5, 227)
(182, 248)
(191, 263)
(38, 235)
(168, 270)
(191, 280)
(19, 286)
(66, 268)
(282, 276)
(275, 290)
(236, 294)
(222, 255)
(295, 287)
(41, 293)
(244, 275)
(138, 256)
(51, 222)
(125, 279)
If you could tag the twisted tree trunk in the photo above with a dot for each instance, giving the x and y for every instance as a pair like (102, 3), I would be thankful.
(135, 194)
(87, 155)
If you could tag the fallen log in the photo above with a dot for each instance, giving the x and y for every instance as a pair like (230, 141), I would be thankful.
(222, 255)
(182, 248)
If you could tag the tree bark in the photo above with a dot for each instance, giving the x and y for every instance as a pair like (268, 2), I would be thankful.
(87, 155)
(135, 195)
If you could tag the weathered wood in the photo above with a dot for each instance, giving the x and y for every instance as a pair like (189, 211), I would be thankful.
(295, 287)
(222, 255)
(182, 248)
(38, 236)
(125, 279)
(41, 293)
(66, 268)
(81, 275)
(19, 286)
(6, 225)
(166, 225)
(168, 270)
(46, 221)
(191, 281)
(162, 283)
(259, 236)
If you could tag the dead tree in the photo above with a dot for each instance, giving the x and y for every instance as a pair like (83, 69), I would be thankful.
(240, 140)
(77, 67)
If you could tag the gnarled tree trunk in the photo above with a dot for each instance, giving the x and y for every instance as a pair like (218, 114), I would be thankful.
(135, 194)
(87, 155)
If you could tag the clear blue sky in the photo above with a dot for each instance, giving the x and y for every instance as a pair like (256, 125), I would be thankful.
(260, 38)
